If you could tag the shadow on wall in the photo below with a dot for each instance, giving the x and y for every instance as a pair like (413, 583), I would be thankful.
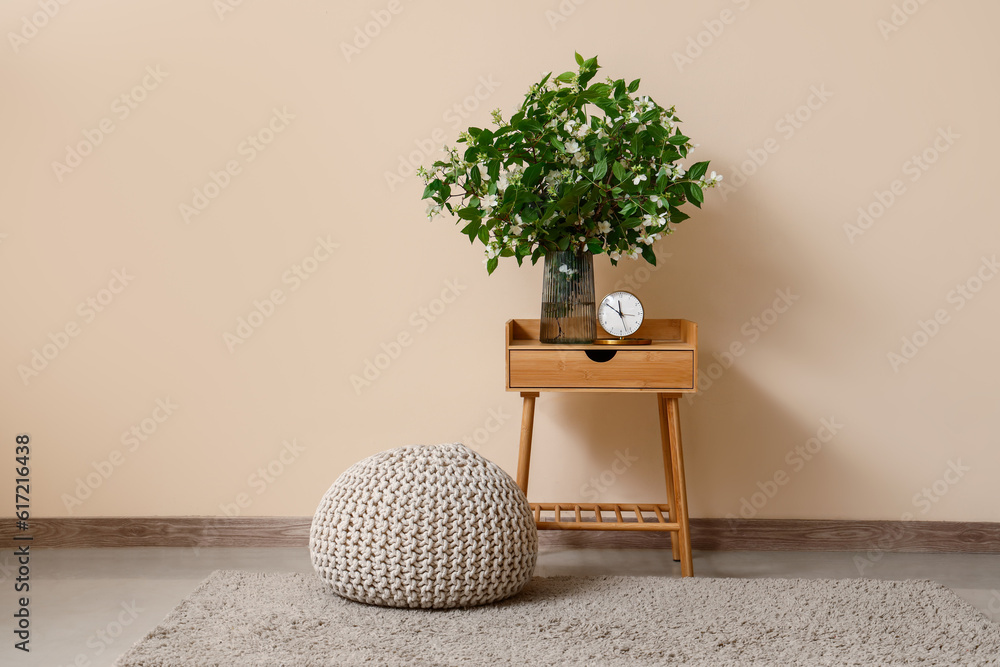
(745, 453)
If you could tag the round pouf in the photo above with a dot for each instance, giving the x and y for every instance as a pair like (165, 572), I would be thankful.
(429, 526)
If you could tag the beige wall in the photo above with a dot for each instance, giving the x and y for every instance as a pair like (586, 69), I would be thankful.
(345, 121)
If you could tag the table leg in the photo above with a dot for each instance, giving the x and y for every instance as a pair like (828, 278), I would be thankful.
(680, 488)
(527, 423)
(668, 473)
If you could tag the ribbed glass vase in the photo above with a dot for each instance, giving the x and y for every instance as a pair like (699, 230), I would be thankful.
(568, 313)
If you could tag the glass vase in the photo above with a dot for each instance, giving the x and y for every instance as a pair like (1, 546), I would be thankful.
(568, 313)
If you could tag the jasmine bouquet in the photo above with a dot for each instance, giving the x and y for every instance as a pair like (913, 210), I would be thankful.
(579, 166)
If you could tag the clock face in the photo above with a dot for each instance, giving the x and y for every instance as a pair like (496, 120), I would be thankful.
(620, 314)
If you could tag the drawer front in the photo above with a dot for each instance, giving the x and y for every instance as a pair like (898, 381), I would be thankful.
(628, 369)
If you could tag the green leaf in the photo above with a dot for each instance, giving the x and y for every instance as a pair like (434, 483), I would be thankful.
(532, 174)
(677, 215)
(649, 116)
(528, 125)
(620, 172)
(649, 255)
(600, 169)
(606, 105)
(568, 202)
(620, 94)
(558, 144)
(564, 243)
(595, 247)
(430, 189)
(471, 229)
(694, 193)
(697, 170)
(484, 235)
(598, 90)
(697, 195)
(566, 77)
(634, 86)
(579, 59)
(679, 139)
(491, 265)
(470, 213)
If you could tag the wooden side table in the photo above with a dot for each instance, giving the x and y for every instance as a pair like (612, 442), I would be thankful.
(668, 367)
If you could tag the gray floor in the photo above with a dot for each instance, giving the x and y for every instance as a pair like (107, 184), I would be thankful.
(89, 605)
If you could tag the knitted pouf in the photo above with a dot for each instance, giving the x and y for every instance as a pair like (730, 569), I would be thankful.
(428, 526)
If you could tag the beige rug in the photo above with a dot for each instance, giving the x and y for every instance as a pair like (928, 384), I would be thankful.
(244, 618)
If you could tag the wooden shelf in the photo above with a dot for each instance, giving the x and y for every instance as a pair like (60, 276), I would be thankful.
(594, 516)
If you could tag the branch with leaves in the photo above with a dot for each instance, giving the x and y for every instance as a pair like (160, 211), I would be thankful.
(579, 166)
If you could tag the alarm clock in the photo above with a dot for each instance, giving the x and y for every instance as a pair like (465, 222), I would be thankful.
(620, 314)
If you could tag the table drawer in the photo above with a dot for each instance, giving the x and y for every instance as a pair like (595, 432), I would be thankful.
(638, 369)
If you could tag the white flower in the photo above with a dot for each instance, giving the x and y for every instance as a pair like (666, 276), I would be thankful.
(563, 268)
(583, 131)
(647, 220)
(488, 201)
(715, 178)
(484, 172)
(633, 253)
(569, 126)
(578, 160)
(638, 179)
(572, 147)
(433, 208)
(502, 182)
(615, 255)
(516, 230)
(604, 227)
